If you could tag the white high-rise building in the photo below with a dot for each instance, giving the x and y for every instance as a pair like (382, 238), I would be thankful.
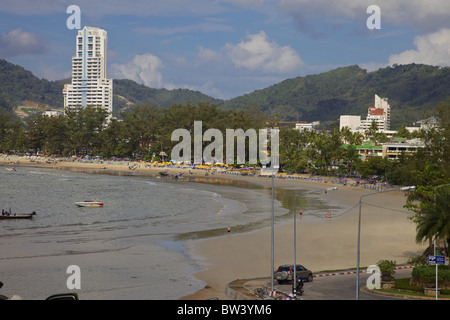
(380, 113)
(90, 85)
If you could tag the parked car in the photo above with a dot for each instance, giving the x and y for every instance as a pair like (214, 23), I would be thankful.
(286, 273)
(60, 296)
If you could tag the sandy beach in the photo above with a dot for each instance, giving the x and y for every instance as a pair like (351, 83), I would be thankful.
(322, 243)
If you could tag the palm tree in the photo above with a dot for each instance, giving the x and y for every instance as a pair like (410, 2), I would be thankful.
(357, 138)
(371, 132)
(347, 134)
(380, 137)
(403, 132)
(435, 219)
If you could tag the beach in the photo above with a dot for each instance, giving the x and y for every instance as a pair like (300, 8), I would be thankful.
(323, 243)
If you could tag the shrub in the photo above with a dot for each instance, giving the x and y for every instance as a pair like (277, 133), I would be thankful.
(387, 269)
(405, 284)
(425, 276)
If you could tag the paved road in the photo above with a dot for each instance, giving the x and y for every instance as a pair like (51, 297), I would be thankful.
(341, 287)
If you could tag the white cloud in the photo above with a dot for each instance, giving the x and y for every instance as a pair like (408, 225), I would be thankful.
(18, 42)
(52, 72)
(258, 53)
(208, 55)
(432, 49)
(143, 68)
(427, 15)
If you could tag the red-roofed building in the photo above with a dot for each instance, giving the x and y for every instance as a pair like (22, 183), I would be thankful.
(380, 113)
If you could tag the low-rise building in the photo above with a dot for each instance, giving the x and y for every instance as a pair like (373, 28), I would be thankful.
(394, 150)
(367, 150)
(302, 126)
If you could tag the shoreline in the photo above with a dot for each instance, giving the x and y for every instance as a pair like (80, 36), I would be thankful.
(322, 244)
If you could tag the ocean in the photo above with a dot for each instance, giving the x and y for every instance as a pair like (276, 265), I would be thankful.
(132, 248)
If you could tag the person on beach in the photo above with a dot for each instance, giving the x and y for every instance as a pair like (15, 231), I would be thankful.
(228, 229)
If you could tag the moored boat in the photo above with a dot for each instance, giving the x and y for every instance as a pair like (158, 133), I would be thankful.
(8, 215)
(88, 203)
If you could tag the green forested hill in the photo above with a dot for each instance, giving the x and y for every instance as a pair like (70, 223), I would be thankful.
(128, 93)
(18, 85)
(412, 90)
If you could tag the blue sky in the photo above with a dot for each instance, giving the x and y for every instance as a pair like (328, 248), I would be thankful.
(226, 48)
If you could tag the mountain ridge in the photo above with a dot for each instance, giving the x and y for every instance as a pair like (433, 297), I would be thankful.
(412, 90)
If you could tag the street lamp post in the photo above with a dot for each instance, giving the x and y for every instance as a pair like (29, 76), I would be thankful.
(272, 239)
(359, 230)
(295, 231)
(272, 242)
(436, 291)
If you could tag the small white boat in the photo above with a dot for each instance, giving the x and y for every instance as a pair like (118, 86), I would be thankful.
(88, 203)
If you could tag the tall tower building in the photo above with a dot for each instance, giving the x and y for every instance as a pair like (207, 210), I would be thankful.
(380, 113)
(90, 85)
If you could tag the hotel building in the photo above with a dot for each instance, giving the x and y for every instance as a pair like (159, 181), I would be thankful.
(380, 113)
(90, 85)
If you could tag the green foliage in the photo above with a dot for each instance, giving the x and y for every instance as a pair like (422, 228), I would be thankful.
(387, 267)
(412, 90)
(144, 130)
(18, 84)
(405, 284)
(431, 200)
(128, 94)
(428, 273)
(374, 166)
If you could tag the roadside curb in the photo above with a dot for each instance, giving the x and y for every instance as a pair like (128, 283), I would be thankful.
(352, 272)
(240, 289)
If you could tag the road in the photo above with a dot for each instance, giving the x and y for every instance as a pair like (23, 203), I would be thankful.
(341, 287)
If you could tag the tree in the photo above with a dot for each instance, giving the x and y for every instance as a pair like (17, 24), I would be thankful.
(373, 166)
(83, 129)
(347, 134)
(12, 132)
(372, 131)
(291, 149)
(403, 132)
(55, 133)
(434, 220)
(351, 156)
(438, 136)
(430, 202)
(114, 142)
(356, 138)
(142, 126)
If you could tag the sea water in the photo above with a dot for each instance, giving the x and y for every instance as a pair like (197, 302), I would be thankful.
(131, 248)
